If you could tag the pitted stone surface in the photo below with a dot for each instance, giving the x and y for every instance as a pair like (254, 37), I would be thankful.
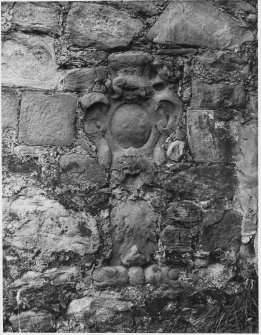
(94, 24)
(9, 108)
(210, 140)
(47, 119)
(31, 321)
(32, 16)
(134, 233)
(198, 23)
(29, 60)
(177, 239)
(214, 96)
(45, 225)
(81, 170)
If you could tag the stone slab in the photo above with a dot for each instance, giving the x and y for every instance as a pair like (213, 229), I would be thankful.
(9, 108)
(47, 119)
(29, 61)
(40, 17)
(94, 24)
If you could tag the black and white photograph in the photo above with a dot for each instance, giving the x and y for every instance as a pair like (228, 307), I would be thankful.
(129, 166)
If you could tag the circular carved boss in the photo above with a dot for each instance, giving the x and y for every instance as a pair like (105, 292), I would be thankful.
(130, 126)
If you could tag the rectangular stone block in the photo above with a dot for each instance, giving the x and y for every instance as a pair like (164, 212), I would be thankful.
(209, 140)
(33, 16)
(9, 108)
(29, 61)
(47, 119)
(212, 96)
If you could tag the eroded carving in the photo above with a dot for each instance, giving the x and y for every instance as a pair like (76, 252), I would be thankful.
(136, 118)
(134, 234)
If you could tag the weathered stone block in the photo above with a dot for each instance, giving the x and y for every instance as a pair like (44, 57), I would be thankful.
(202, 183)
(10, 106)
(93, 24)
(177, 239)
(41, 17)
(198, 23)
(81, 170)
(214, 96)
(29, 61)
(136, 275)
(47, 119)
(209, 140)
(186, 212)
(79, 79)
(143, 7)
(153, 274)
(224, 234)
(46, 225)
(110, 276)
(31, 321)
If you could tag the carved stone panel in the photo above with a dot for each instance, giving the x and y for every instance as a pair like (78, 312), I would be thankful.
(136, 118)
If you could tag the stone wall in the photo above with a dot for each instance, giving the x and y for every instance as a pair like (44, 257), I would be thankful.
(129, 163)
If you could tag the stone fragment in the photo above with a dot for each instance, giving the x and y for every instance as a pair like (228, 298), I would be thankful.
(94, 24)
(177, 239)
(29, 61)
(143, 7)
(176, 150)
(198, 23)
(201, 183)
(110, 276)
(47, 119)
(214, 96)
(58, 276)
(81, 170)
(45, 225)
(9, 108)
(223, 234)
(153, 274)
(40, 17)
(79, 79)
(137, 247)
(186, 212)
(33, 322)
(247, 169)
(102, 308)
(209, 140)
(136, 275)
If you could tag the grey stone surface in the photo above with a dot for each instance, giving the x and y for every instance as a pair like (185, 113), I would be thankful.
(200, 24)
(94, 24)
(47, 119)
(31, 321)
(41, 17)
(29, 60)
(9, 108)
(110, 276)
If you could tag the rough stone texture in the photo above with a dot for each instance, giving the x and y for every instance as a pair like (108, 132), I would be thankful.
(110, 276)
(224, 233)
(130, 202)
(210, 140)
(33, 322)
(29, 61)
(47, 119)
(45, 225)
(198, 24)
(9, 108)
(217, 96)
(105, 27)
(40, 17)
(81, 170)
(80, 79)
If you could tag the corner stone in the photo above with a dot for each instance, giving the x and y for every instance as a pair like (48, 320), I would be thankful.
(47, 119)
(93, 24)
